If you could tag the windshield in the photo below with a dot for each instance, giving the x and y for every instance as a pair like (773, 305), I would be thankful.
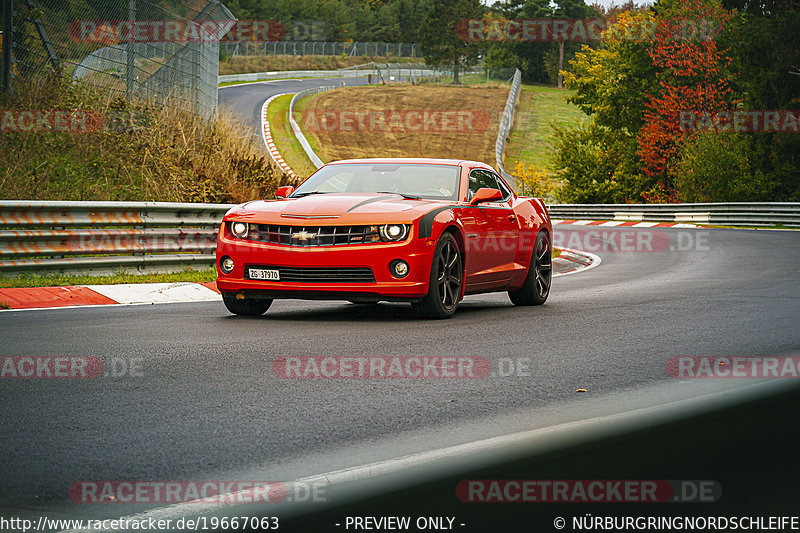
(436, 182)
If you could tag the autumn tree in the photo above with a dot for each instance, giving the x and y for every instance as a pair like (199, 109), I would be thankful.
(694, 79)
(599, 161)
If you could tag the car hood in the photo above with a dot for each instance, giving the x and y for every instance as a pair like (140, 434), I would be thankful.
(335, 208)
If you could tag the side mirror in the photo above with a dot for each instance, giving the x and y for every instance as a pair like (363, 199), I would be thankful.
(485, 194)
(284, 192)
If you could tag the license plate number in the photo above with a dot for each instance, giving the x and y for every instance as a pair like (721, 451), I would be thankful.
(261, 273)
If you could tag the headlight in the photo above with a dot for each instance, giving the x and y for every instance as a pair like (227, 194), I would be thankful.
(240, 230)
(394, 232)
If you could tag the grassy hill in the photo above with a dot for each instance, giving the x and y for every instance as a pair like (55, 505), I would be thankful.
(133, 152)
(539, 108)
(404, 121)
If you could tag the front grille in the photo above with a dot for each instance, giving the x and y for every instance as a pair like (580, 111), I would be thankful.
(313, 235)
(321, 274)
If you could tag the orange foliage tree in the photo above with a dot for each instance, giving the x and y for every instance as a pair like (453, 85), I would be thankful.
(694, 78)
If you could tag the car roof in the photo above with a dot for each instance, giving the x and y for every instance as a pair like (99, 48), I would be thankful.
(411, 160)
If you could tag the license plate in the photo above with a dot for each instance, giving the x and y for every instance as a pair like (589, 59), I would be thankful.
(261, 273)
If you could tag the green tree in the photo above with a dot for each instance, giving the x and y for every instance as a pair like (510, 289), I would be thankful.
(721, 167)
(440, 38)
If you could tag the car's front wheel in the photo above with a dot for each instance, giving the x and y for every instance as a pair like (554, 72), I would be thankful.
(447, 277)
(537, 284)
(245, 306)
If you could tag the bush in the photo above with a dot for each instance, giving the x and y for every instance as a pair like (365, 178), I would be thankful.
(598, 165)
(535, 182)
(722, 167)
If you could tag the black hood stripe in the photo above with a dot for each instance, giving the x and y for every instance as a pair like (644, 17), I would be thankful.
(368, 201)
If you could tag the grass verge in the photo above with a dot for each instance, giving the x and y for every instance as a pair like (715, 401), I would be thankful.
(229, 83)
(538, 109)
(284, 139)
(60, 280)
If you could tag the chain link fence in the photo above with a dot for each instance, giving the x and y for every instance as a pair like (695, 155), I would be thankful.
(138, 49)
(319, 48)
(418, 73)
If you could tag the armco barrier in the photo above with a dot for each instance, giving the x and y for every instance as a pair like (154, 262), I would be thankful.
(379, 71)
(506, 121)
(296, 128)
(283, 74)
(723, 214)
(101, 237)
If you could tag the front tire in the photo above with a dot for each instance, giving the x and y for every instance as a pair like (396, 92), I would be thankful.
(536, 288)
(245, 307)
(447, 278)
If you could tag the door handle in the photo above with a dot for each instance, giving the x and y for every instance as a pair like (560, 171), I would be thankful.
(512, 218)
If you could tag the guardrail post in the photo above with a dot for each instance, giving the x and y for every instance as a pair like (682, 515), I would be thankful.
(130, 59)
(6, 70)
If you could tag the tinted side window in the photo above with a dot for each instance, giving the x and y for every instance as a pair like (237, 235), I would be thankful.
(481, 178)
(503, 188)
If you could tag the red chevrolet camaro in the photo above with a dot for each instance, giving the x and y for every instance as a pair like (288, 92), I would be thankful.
(426, 231)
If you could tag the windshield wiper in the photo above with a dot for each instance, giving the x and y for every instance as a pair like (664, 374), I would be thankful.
(404, 195)
(301, 194)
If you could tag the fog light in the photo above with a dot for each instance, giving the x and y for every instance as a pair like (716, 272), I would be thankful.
(226, 265)
(399, 268)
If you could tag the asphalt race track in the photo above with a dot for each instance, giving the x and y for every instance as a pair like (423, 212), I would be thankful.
(245, 100)
(205, 403)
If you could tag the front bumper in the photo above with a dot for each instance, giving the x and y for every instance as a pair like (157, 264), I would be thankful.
(418, 253)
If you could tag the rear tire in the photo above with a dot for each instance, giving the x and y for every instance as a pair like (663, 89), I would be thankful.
(536, 288)
(245, 307)
(447, 278)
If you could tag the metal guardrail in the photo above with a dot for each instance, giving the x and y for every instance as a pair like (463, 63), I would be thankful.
(102, 237)
(296, 128)
(506, 121)
(723, 214)
(284, 74)
(380, 72)
(322, 48)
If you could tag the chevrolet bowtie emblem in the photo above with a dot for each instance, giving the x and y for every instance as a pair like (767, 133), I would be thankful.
(303, 235)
